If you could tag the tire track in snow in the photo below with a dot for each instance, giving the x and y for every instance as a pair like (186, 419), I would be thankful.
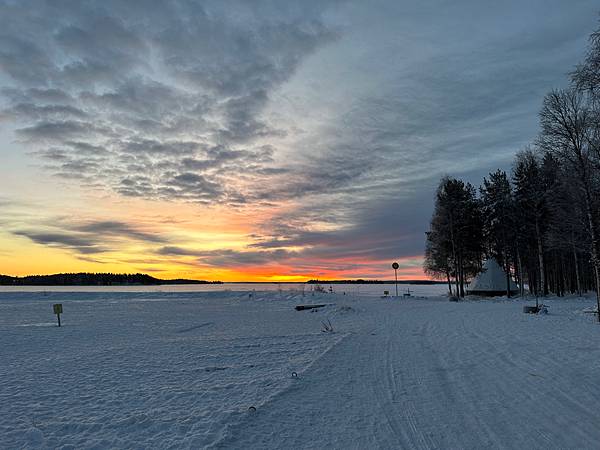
(400, 415)
(416, 369)
(440, 418)
(476, 423)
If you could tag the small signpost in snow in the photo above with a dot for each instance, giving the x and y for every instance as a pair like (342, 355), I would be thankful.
(58, 311)
(395, 266)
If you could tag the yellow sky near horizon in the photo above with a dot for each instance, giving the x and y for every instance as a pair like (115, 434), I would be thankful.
(163, 239)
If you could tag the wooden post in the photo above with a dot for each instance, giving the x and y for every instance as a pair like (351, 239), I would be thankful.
(57, 310)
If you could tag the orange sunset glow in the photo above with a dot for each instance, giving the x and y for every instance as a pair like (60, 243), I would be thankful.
(158, 239)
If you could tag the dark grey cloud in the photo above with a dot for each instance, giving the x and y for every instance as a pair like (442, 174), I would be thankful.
(230, 258)
(91, 260)
(171, 250)
(156, 147)
(18, 56)
(51, 96)
(120, 229)
(30, 111)
(92, 237)
(55, 130)
(234, 258)
(80, 244)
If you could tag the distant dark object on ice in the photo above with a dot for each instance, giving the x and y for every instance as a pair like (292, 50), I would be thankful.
(540, 309)
(303, 307)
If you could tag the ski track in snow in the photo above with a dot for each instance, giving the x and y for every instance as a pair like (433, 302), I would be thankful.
(165, 370)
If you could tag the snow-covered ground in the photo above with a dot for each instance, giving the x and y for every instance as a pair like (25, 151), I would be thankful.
(357, 289)
(183, 369)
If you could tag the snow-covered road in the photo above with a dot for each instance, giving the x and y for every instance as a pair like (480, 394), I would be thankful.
(181, 371)
(432, 374)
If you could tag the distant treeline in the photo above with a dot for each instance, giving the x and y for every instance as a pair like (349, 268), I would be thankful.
(542, 220)
(92, 279)
(359, 281)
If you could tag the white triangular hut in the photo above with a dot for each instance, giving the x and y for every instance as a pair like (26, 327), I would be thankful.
(491, 281)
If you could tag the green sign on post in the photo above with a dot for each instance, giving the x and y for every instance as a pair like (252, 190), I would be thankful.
(58, 311)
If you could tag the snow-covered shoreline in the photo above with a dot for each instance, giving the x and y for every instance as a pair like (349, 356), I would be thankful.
(181, 370)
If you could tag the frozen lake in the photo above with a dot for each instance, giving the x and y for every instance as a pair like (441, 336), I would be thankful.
(368, 289)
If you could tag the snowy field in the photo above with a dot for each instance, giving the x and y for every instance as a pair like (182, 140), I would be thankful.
(357, 289)
(183, 369)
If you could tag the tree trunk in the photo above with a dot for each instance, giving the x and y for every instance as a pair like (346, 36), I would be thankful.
(577, 276)
(540, 258)
(532, 277)
(563, 272)
(507, 270)
(454, 255)
(520, 264)
(464, 281)
(456, 282)
(595, 252)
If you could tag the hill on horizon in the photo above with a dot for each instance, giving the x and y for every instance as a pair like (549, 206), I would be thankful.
(92, 279)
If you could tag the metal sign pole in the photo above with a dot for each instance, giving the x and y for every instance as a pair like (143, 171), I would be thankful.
(57, 310)
(395, 266)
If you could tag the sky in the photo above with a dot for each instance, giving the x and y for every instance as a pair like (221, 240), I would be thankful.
(260, 140)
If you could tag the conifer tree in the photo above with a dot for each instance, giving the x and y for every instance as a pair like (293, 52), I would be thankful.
(497, 207)
(531, 208)
(455, 233)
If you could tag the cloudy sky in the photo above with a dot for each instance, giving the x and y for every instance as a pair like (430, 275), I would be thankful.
(259, 140)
